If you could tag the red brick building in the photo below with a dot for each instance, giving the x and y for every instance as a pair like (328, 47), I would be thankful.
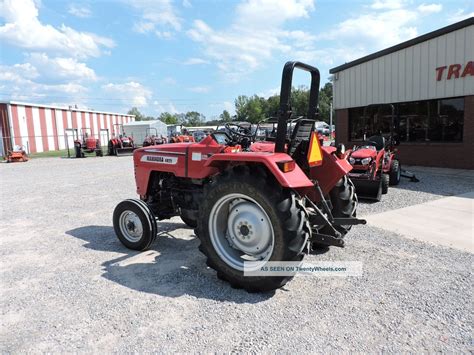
(430, 82)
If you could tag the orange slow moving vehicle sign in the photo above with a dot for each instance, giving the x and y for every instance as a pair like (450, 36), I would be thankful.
(315, 156)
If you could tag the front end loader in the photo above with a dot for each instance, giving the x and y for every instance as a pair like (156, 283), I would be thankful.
(260, 202)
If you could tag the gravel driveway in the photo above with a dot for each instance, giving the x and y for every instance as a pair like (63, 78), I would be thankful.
(68, 285)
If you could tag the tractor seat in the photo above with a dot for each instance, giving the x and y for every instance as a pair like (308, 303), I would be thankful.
(301, 132)
(379, 140)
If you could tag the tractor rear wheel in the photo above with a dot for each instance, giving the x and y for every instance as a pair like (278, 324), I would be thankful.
(134, 224)
(395, 172)
(247, 216)
(344, 205)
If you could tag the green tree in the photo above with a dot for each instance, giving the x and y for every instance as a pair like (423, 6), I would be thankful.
(325, 99)
(241, 103)
(225, 116)
(250, 109)
(300, 101)
(138, 115)
(194, 119)
(168, 118)
(273, 105)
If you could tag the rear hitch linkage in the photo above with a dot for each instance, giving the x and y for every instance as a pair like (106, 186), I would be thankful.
(323, 217)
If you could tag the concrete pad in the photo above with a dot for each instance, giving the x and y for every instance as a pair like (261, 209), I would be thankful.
(447, 221)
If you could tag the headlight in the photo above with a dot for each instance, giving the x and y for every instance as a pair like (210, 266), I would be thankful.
(352, 161)
(366, 161)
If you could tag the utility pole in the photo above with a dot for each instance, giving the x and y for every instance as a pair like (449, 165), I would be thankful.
(330, 120)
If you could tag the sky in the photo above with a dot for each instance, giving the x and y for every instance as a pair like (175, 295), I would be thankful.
(192, 55)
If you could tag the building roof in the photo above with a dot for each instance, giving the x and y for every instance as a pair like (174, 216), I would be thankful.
(451, 28)
(62, 108)
(145, 123)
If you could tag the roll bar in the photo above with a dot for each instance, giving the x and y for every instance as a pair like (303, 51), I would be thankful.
(284, 112)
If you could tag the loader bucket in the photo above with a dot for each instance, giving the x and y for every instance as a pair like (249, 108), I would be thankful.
(368, 189)
(125, 151)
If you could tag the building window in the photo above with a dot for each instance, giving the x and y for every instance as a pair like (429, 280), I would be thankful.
(419, 121)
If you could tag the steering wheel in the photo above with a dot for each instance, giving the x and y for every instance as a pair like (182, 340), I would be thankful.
(241, 128)
(369, 143)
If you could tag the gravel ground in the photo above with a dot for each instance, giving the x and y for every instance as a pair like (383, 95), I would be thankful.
(68, 285)
(433, 185)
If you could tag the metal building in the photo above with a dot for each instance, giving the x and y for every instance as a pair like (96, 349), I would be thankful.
(41, 128)
(140, 129)
(430, 82)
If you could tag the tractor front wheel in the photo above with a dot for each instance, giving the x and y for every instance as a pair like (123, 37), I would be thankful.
(395, 172)
(134, 224)
(111, 148)
(385, 183)
(247, 216)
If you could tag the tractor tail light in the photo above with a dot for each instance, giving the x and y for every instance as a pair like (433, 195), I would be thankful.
(286, 166)
(315, 155)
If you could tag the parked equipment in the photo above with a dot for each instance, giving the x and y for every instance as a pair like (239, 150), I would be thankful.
(17, 155)
(375, 165)
(182, 138)
(246, 205)
(153, 139)
(121, 144)
(87, 144)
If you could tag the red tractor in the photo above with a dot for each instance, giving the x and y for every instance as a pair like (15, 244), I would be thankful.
(87, 144)
(182, 138)
(17, 155)
(374, 163)
(246, 205)
(121, 144)
(153, 139)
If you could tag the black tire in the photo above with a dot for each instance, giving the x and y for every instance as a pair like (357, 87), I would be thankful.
(192, 223)
(395, 172)
(147, 219)
(112, 149)
(385, 183)
(289, 221)
(344, 205)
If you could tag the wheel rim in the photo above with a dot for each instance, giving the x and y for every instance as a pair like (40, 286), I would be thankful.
(399, 173)
(240, 230)
(131, 226)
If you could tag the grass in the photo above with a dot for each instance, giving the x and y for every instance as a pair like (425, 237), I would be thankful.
(59, 153)
(50, 154)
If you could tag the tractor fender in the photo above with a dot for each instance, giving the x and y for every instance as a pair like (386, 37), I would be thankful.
(293, 179)
(331, 171)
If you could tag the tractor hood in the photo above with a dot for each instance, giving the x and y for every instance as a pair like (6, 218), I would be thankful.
(170, 147)
(364, 153)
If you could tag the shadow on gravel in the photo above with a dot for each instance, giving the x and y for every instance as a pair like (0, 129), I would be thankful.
(172, 267)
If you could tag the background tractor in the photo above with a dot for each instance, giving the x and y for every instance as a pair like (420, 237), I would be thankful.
(17, 154)
(121, 144)
(152, 138)
(374, 161)
(87, 144)
(248, 206)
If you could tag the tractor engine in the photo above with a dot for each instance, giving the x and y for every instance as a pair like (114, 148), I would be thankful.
(170, 196)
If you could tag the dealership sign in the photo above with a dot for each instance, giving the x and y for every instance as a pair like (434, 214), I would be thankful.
(455, 71)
